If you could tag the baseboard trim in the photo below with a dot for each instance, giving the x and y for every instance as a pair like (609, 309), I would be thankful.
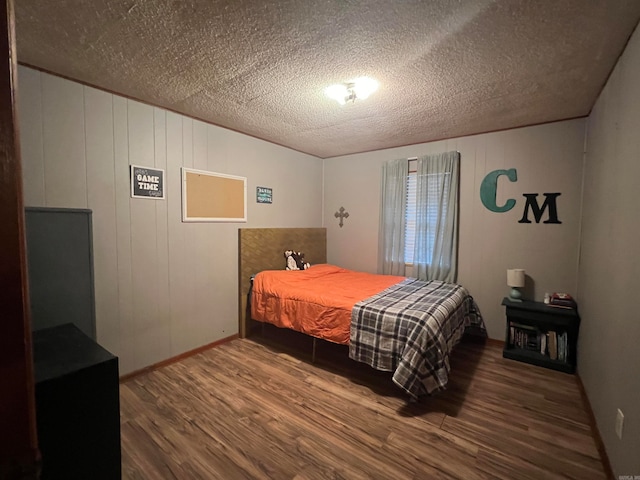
(195, 351)
(604, 458)
(177, 358)
(496, 342)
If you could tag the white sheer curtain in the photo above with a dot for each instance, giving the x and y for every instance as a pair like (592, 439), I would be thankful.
(436, 233)
(393, 216)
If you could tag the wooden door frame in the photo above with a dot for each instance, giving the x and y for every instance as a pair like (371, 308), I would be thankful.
(18, 441)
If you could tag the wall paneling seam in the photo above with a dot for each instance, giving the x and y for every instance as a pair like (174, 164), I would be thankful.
(86, 166)
(115, 209)
(44, 165)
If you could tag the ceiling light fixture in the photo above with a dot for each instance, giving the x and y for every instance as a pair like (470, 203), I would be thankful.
(360, 88)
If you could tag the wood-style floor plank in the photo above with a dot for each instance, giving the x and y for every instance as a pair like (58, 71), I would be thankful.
(255, 409)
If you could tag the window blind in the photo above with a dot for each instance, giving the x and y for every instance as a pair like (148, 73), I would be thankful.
(437, 188)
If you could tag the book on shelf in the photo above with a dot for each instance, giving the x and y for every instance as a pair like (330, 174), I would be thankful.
(568, 307)
(562, 346)
(526, 337)
(562, 300)
(558, 346)
(552, 345)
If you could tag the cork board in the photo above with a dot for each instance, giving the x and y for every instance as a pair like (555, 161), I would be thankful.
(263, 249)
(213, 197)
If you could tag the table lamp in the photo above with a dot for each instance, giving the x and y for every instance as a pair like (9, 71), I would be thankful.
(515, 279)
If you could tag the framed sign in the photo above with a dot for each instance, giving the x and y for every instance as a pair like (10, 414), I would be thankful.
(213, 197)
(147, 182)
(264, 195)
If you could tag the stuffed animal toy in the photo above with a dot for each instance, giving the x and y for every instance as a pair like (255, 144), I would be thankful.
(291, 261)
(302, 265)
(295, 260)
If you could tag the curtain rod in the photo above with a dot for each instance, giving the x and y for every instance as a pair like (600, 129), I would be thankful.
(415, 158)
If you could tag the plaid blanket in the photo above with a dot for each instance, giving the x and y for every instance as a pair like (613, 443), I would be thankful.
(410, 329)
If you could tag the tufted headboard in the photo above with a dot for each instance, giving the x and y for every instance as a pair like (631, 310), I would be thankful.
(263, 249)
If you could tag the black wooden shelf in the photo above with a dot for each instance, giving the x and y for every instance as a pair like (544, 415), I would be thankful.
(540, 319)
(536, 358)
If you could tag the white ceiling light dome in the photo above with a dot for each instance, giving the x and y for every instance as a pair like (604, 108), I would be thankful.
(360, 88)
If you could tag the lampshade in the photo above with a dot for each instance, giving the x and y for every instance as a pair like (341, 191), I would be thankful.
(515, 277)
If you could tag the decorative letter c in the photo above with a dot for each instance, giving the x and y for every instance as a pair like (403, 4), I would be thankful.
(489, 186)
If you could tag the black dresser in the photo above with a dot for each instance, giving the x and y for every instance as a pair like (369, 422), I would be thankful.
(77, 405)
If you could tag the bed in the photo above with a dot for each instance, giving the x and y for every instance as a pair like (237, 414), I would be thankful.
(395, 324)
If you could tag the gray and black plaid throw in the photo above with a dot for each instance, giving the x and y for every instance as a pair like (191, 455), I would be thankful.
(410, 329)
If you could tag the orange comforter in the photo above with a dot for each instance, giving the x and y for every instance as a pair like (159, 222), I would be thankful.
(316, 301)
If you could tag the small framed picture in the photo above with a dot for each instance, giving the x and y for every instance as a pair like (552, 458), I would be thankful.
(264, 195)
(147, 182)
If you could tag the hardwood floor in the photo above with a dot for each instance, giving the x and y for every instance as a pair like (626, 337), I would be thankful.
(251, 409)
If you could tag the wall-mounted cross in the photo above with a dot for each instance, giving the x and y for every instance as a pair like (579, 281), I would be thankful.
(342, 214)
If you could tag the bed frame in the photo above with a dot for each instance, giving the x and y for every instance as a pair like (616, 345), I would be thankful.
(263, 249)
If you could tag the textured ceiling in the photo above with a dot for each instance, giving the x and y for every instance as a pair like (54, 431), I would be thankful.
(446, 68)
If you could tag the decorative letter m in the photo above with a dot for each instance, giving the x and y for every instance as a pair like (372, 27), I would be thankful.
(549, 203)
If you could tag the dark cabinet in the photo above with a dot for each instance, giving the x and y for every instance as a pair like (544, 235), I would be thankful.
(77, 405)
(60, 261)
(541, 335)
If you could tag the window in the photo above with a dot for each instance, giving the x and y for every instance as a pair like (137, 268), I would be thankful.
(419, 217)
(437, 184)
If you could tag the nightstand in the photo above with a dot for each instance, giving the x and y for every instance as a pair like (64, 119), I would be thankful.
(541, 335)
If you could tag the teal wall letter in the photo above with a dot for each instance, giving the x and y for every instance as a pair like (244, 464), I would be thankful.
(489, 186)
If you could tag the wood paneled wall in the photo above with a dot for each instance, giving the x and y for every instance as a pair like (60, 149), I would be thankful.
(609, 277)
(162, 287)
(548, 158)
